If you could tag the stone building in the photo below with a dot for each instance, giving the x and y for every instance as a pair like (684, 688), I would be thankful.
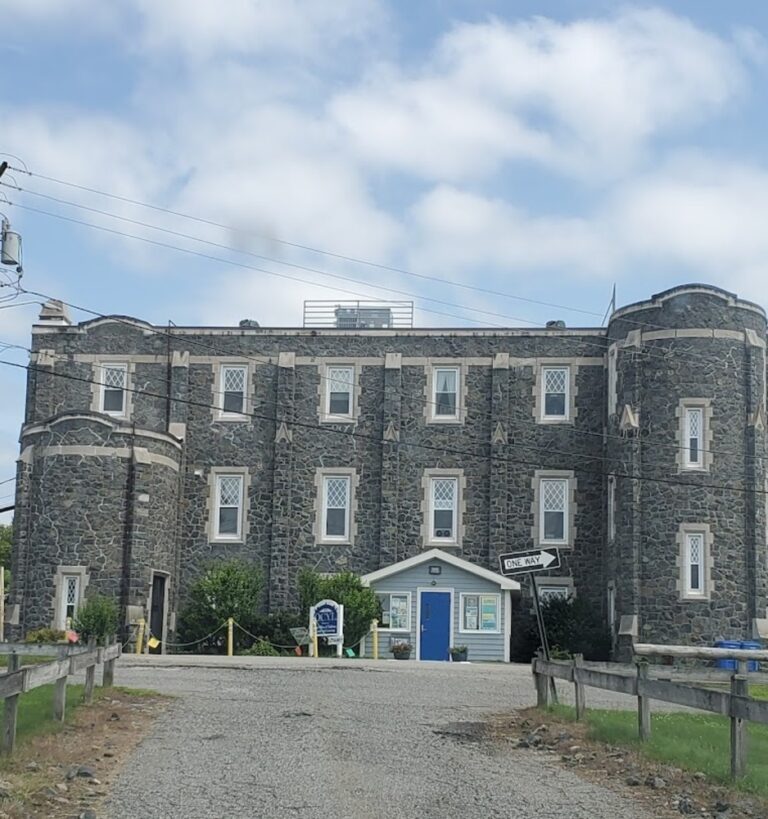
(639, 449)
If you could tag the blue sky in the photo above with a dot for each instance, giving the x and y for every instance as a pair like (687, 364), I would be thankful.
(544, 149)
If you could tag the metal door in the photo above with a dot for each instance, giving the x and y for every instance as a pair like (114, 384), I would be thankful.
(435, 625)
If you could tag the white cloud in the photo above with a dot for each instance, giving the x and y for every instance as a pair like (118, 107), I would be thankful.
(702, 216)
(247, 27)
(584, 96)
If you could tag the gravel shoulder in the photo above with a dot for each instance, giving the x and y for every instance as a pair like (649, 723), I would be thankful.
(383, 739)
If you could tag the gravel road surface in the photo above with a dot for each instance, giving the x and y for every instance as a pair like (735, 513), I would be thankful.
(316, 739)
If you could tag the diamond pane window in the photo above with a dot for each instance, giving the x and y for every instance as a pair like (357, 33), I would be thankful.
(694, 563)
(229, 502)
(71, 594)
(233, 384)
(694, 423)
(336, 507)
(114, 377)
(555, 389)
(444, 508)
(554, 502)
(446, 388)
(339, 386)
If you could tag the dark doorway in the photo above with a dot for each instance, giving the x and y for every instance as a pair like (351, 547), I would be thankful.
(157, 611)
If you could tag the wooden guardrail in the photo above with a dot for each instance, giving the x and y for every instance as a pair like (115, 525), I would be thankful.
(735, 704)
(19, 680)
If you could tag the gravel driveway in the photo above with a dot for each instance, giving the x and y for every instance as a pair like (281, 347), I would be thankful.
(317, 739)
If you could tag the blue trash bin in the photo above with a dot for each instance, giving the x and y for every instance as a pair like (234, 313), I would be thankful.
(730, 665)
(752, 645)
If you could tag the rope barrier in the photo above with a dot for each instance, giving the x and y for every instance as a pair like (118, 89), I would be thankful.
(193, 642)
(259, 639)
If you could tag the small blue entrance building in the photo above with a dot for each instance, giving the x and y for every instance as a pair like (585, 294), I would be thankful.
(435, 600)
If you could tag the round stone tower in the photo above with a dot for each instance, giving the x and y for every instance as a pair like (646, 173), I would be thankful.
(98, 502)
(686, 456)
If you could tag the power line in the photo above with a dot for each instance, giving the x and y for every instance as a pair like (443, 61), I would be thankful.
(331, 254)
(401, 443)
(659, 352)
(298, 246)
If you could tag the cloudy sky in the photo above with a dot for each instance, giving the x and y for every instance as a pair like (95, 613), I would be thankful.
(545, 150)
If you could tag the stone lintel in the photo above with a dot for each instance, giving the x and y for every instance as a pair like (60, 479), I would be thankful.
(393, 361)
(287, 361)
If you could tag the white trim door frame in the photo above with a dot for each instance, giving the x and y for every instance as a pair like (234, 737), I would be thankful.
(451, 614)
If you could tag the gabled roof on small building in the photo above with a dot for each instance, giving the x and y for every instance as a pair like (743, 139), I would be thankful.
(439, 554)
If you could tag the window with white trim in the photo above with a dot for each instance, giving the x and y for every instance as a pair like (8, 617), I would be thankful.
(114, 381)
(233, 385)
(611, 507)
(445, 392)
(693, 437)
(395, 610)
(555, 389)
(480, 612)
(70, 599)
(694, 564)
(339, 392)
(553, 510)
(229, 507)
(336, 507)
(443, 501)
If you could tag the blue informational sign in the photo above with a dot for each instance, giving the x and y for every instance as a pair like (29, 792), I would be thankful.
(329, 616)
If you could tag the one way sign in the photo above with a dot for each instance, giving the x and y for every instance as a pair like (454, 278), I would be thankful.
(534, 560)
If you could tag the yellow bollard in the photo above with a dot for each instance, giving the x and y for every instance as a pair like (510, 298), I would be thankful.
(140, 637)
(375, 639)
(230, 637)
(313, 632)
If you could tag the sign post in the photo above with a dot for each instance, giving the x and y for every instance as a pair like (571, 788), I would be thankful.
(529, 562)
(328, 619)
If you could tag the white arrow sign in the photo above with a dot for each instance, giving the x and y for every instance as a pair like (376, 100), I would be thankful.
(532, 561)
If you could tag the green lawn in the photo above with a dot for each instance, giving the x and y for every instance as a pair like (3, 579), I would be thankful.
(26, 660)
(698, 742)
(759, 692)
(35, 713)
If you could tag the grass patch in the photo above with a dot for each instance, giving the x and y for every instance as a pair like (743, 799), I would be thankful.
(26, 660)
(35, 714)
(758, 692)
(696, 742)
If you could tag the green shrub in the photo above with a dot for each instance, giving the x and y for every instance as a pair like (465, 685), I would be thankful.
(226, 589)
(261, 648)
(45, 635)
(276, 627)
(574, 626)
(97, 618)
(360, 603)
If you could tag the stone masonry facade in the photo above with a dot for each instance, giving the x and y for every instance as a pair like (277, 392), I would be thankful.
(121, 498)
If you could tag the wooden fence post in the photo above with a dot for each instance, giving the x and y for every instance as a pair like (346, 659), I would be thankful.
(108, 672)
(542, 685)
(11, 710)
(579, 689)
(90, 676)
(739, 688)
(643, 703)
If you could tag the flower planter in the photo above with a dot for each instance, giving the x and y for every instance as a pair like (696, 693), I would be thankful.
(459, 656)
(402, 655)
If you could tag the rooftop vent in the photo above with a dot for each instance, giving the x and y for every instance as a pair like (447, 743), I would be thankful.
(556, 324)
(249, 323)
(358, 315)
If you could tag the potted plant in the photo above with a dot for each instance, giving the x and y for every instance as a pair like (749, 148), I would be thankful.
(402, 651)
(458, 654)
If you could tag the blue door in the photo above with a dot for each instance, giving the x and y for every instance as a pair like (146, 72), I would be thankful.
(435, 618)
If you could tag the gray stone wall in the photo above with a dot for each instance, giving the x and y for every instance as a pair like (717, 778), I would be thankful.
(145, 516)
(97, 496)
(656, 369)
